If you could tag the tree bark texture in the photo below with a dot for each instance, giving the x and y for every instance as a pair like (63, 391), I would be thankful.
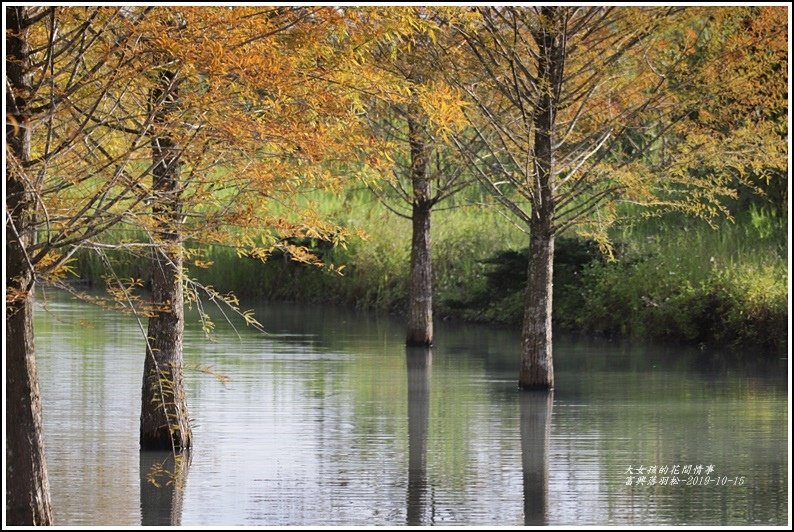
(537, 368)
(536, 409)
(418, 361)
(420, 306)
(537, 365)
(164, 416)
(27, 487)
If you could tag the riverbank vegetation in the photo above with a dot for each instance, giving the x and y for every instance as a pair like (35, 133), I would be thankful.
(672, 279)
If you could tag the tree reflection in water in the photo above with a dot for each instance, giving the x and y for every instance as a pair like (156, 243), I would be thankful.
(163, 479)
(418, 362)
(535, 408)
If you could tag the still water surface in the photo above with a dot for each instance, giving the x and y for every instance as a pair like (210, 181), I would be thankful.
(329, 420)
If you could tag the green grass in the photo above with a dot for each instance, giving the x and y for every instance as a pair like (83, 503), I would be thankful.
(686, 281)
(674, 278)
(375, 273)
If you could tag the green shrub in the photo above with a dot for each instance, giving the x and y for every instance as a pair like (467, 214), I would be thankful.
(736, 299)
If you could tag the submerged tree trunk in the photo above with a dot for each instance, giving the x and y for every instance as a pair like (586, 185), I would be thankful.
(537, 368)
(164, 416)
(535, 408)
(418, 361)
(27, 487)
(420, 306)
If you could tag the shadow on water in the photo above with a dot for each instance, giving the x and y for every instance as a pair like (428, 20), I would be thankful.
(418, 363)
(535, 408)
(163, 478)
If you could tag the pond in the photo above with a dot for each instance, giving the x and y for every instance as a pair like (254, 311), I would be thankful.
(329, 420)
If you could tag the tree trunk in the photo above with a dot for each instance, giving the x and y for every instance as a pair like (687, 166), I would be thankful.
(420, 317)
(27, 487)
(418, 362)
(420, 305)
(164, 416)
(535, 408)
(163, 478)
(537, 368)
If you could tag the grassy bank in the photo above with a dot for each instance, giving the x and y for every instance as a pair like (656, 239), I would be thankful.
(674, 280)
(375, 273)
(687, 282)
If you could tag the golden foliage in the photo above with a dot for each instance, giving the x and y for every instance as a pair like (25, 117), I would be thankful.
(668, 108)
(663, 107)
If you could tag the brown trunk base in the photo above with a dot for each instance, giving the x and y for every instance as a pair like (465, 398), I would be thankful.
(530, 387)
(418, 340)
(161, 440)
